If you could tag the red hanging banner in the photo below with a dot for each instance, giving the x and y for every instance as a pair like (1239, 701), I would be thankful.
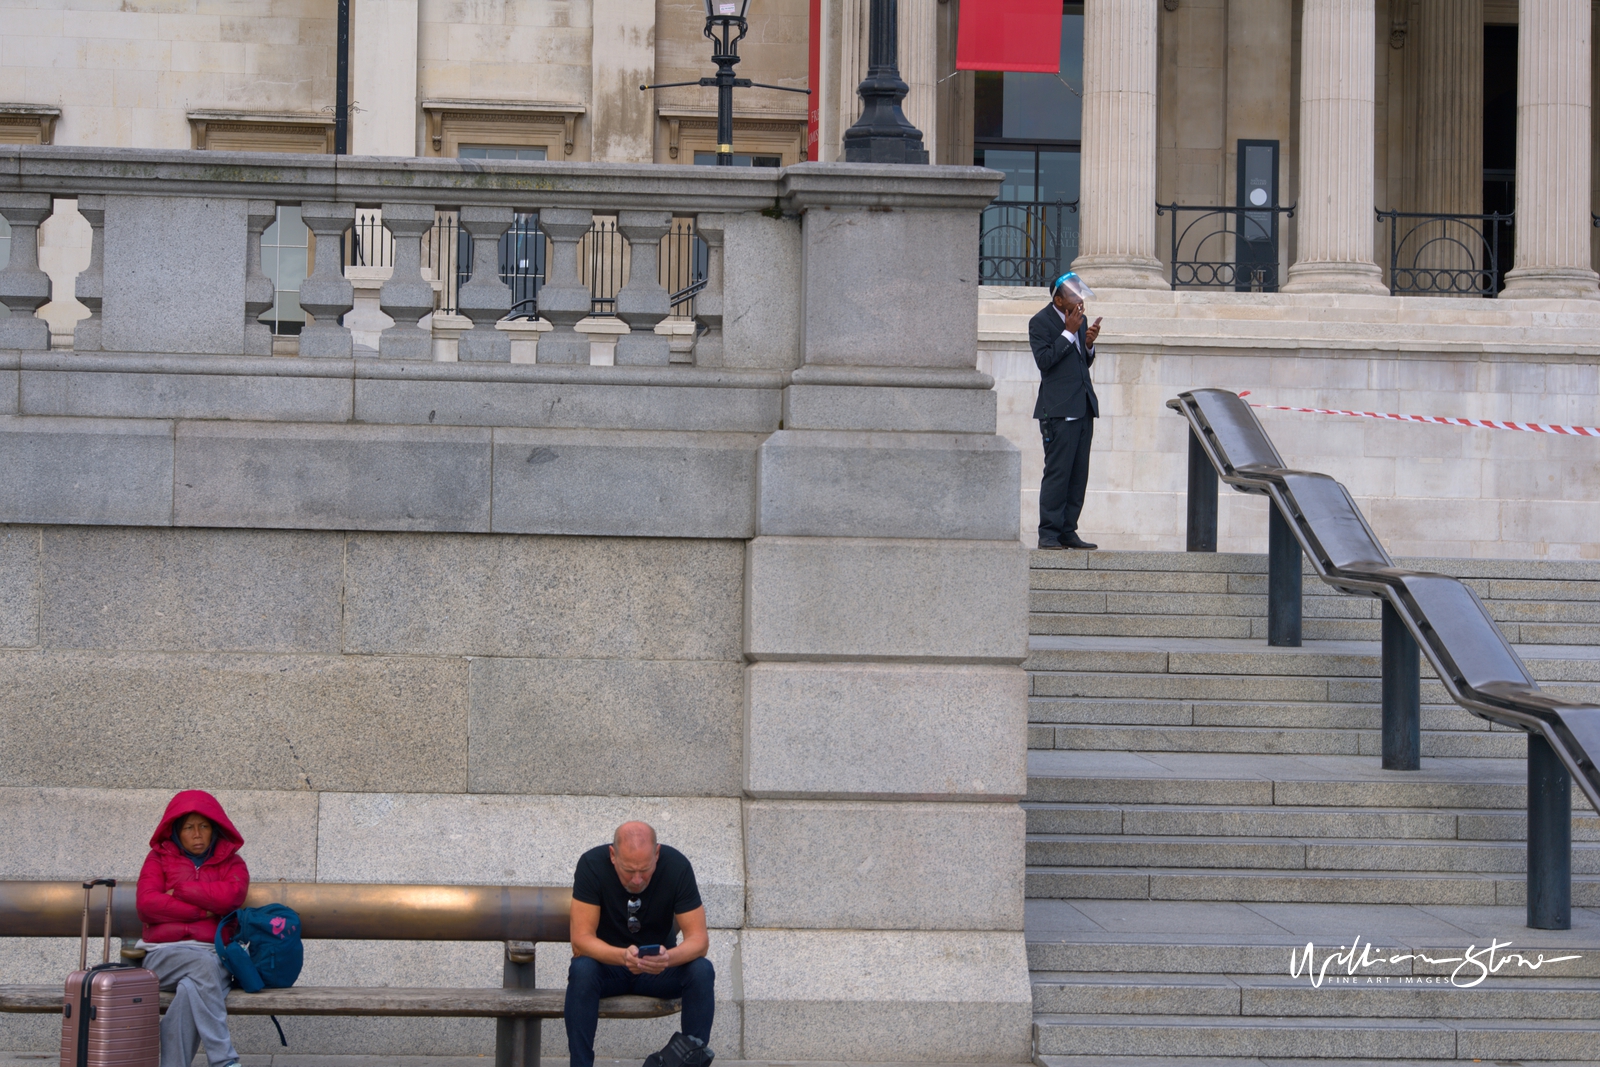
(1021, 35)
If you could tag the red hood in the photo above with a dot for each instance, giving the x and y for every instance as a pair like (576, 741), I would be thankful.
(198, 801)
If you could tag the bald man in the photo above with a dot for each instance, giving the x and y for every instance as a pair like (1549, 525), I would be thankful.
(625, 898)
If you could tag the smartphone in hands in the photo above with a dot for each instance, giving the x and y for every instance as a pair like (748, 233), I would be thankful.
(649, 950)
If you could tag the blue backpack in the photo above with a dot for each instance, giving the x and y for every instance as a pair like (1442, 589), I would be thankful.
(263, 950)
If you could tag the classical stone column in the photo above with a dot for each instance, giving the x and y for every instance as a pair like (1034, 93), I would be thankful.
(1117, 247)
(1337, 116)
(485, 299)
(643, 302)
(919, 55)
(1448, 38)
(1553, 82)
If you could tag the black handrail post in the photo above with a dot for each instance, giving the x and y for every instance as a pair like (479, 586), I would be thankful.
(1283, 583)
(1402, 695)
(1202, 534)
(1549, 838)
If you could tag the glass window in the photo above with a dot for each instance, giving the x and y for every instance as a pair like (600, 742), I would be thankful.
(286, 259)
(710, 159)
(498, 151)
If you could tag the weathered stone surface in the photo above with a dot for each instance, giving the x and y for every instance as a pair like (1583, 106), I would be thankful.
(522, 840)
(149, 395)
(761, 292)
(832, 865)
(565, 406)
(19, 586)
(831, 483)
(908, 731)
(192, 590)
(852, 599)
(170, 721)
(99, 471)
(857, 407)
(615, 727)
(543, 596)
(10, 378)
(310, 476)
(174, 274)
(64, 833)
(903, 995)
(624, 483)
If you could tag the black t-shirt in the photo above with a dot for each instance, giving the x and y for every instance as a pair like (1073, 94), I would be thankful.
(672, 891)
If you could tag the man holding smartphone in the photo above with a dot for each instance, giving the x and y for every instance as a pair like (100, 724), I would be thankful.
(1063, 348)
(625, 898)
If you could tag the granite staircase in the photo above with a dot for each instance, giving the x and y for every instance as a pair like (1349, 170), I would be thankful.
(1201, 806)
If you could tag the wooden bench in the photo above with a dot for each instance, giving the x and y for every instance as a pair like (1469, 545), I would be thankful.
(518, 916)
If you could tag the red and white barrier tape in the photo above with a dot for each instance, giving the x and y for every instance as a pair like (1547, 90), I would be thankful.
(1441, 420)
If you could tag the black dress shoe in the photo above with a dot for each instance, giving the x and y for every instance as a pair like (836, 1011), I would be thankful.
(1047, 547)
(1074, 541)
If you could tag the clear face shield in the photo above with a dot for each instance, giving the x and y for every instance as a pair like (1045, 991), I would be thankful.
(1074, 285)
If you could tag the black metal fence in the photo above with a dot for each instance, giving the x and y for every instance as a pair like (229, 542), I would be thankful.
(1225, 247)
(1026, 242)
(1447, 255)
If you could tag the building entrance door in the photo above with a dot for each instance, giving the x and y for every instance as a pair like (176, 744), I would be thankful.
(1256, 243)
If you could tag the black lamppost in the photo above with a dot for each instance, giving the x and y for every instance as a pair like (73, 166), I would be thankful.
(725, 15)
(882, 134)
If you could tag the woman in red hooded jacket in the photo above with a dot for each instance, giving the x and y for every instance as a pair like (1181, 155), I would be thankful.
(192, 877)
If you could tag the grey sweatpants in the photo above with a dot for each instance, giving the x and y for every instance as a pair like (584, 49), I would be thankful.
(199, 1011)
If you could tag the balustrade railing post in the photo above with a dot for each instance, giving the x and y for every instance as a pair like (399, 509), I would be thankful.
(708, 306)
(1202, 533)
(407, 296)
(24, 288)
(1402, 695)
(644, 301)
(1549, 838)
(485, 299)
(564, 300)
(1283, 582)
(90, 286)
(326, 294)
(258, 288)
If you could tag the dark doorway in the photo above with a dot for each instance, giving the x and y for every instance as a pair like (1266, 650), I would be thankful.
(1256, 241)
(1500, 139)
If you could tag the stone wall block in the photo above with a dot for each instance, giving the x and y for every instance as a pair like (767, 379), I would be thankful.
(258, 289)
(523, 840)
(86, 471)
(175, 274)
(761, 276)
(485, 299)
(407, 296)
(24, 288)
(612, 727)
(844, 731)
(192, 590)
(326, 294)
(903, 409)
(577, 598)
(832, 483)
(318, 477)
(625, 483)
(563, 298)
(153, 394)
(247, 722)
(855, 865)
(893, 995)
(19, 586)
(857, 599)
(90, 285)
(643, 302)
(65, 833)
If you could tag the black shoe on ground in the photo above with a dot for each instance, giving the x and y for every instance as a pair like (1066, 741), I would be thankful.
(1047, 547)
(1074, 541)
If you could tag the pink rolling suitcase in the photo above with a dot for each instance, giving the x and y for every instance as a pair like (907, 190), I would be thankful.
(112, 1013)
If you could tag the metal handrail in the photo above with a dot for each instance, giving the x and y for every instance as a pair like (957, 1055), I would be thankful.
(1467, 247)
(1221, 269)
(1025, 242)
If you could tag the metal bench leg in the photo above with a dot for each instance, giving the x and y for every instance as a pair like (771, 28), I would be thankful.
(1283, 583)
(516, 1041)
(1549, 838)
(1202, 499)
(1402, 695)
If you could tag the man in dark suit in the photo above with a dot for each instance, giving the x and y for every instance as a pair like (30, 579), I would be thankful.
(1063, 347)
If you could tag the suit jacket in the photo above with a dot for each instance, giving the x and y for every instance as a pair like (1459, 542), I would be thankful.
(1065, 391)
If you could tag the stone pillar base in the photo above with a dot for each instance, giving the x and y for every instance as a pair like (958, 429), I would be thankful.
(1551, 283)
(1334, 277)
(1121, 272)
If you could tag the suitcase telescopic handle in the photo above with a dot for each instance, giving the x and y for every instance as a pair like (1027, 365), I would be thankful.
(83, 939)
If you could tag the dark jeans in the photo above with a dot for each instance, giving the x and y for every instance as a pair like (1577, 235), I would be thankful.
(1066, 477)
(589, 980)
